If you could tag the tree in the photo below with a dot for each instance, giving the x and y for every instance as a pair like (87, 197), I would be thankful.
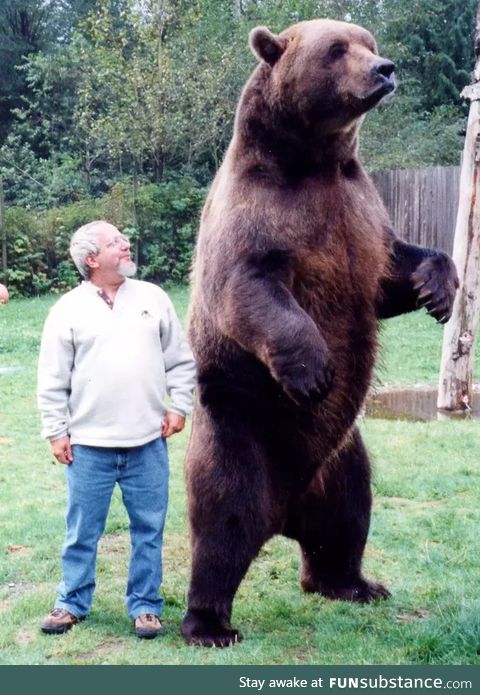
(27, 27)
(144, 88)
(433, 46)
(455, 385)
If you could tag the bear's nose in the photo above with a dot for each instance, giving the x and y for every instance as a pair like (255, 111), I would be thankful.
(384, 67)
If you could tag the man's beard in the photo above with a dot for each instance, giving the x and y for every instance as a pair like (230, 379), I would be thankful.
(127, 269)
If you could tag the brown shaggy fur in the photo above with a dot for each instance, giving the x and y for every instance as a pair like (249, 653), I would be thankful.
(295, 263)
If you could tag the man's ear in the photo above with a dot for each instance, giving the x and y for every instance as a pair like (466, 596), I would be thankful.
(91, 262)
(265, 45)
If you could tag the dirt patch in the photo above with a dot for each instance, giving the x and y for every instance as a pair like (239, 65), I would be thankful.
(18, 549)
(14, 590)
(5, 440)
(26, 636)
(176, 554)
(413, 504)
(104, 648)
(374, 553)
(114, 543)
(410, 616)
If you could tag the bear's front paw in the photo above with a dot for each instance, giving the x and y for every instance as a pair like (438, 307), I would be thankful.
(436, 281)
(203, 629)
(306, 376)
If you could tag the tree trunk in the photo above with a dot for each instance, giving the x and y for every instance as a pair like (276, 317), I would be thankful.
(3, 233)
(456, 367)
(237, 8)
(134, 211)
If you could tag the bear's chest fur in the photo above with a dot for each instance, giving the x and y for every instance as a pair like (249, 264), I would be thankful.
(332, 227)
(338, 241)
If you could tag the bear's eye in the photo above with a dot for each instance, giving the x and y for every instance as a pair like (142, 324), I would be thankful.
(338, 50)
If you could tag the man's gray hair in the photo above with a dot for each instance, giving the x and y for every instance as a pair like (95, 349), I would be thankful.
(84, 243)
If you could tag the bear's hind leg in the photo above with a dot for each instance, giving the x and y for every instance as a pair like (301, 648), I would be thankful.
(331, 524)
(218, 567)
(228, 508)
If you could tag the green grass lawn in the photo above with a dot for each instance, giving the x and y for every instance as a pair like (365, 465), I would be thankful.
(424, 542)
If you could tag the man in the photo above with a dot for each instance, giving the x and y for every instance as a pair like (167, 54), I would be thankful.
(111, 350)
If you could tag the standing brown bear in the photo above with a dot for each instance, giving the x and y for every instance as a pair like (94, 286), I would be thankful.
(295, 264)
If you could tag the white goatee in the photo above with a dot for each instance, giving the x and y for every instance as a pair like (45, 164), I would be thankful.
(127, 268)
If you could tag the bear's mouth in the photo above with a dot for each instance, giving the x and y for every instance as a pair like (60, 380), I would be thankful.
(385, 86)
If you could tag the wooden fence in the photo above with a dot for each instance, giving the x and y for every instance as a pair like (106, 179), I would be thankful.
(422, 204)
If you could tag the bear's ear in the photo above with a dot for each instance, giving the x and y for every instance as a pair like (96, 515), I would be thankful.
(266, 46)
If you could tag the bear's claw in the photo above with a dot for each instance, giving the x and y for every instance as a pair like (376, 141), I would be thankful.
(436, 282)
(227, 639)
(207, 631)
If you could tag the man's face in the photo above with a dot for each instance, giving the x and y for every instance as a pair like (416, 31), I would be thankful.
(114, 253)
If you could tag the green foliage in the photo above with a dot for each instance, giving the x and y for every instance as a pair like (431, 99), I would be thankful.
(120, 91)
(29, 28)
(28, 267)
(397, 136)
(117, 95)
(434, 46)
(166, 214)
(39, 182)
(142, 90)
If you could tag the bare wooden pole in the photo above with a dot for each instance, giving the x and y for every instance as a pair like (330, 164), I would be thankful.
(456, 367)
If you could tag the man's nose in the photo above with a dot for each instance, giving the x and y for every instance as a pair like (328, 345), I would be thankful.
(125, 243)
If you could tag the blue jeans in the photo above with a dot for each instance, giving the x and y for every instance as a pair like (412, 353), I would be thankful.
(142, 473)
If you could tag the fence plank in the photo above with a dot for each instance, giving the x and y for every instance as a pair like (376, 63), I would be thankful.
(422, 203)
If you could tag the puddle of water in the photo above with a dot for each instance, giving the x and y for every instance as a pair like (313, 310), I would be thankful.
(417, 403)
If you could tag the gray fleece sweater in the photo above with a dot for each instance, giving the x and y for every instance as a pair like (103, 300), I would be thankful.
(103, 374)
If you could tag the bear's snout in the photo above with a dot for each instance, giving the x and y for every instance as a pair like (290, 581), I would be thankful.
(383, 71)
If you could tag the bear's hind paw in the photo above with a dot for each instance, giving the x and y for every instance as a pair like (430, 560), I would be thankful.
(362, 591)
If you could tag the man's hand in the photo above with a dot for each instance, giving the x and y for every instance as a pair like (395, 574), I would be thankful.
(62, 450)
(172, 423)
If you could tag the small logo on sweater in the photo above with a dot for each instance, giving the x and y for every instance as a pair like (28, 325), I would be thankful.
(146, 314)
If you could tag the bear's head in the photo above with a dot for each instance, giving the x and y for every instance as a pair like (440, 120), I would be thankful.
(324, 74)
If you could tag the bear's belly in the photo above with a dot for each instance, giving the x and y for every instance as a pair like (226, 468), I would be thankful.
(233, 385)
(340, 299)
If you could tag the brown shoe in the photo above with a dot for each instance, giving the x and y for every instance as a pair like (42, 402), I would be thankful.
(148, 626)
(58, 621)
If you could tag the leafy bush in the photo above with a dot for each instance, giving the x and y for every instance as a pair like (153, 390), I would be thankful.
(27, 272)
(160, 220)
(167, 220)
(395, 136)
